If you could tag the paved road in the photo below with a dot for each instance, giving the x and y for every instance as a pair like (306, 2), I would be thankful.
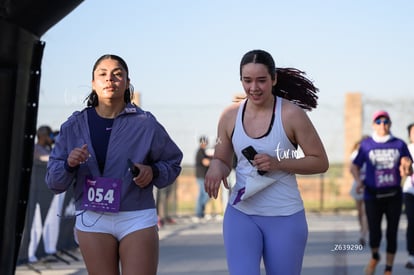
(196, 248)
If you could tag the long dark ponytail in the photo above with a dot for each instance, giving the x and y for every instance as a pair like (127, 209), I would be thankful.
(291, 83)
(92, 98)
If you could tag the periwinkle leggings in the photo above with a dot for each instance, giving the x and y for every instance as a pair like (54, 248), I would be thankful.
(280, 240)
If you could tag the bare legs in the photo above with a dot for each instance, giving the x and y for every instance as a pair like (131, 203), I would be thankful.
(137, 252)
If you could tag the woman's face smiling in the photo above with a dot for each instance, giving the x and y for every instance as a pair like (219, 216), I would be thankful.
(110, 80)
(257, 82)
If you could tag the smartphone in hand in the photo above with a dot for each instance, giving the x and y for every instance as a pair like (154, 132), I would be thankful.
(133, 169)
(249, 152)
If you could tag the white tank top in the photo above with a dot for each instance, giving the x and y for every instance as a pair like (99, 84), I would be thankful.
(281, 198)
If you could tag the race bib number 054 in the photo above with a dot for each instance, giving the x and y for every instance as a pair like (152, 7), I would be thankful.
(102, 194)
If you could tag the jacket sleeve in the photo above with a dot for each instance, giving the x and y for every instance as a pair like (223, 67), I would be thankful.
(58, 178)
(165, 156)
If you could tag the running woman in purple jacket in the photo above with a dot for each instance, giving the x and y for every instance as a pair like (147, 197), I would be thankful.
(113, 153)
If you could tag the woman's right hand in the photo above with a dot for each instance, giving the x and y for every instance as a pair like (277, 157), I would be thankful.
(78, 156)
(215, 174)
(360, 187)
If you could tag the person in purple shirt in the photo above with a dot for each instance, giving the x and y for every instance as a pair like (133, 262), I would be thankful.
(113, 153)
(387, 160)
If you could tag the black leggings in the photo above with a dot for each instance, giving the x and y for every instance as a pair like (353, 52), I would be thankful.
(375, 209)
(409, 211)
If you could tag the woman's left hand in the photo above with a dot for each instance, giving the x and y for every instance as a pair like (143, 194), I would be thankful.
(264, 162)
(144, 177)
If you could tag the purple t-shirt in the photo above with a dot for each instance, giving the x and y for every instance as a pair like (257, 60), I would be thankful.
(382, 162)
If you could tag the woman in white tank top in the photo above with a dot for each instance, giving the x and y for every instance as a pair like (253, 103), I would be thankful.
(265, 218)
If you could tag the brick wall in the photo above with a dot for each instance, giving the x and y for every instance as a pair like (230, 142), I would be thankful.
(352, 128)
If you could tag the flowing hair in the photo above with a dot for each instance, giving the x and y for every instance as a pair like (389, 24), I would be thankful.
(291, 82)
(92, 98)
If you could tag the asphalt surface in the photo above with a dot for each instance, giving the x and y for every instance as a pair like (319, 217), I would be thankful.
(196, 247)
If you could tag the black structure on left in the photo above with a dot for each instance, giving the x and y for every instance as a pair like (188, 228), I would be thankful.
(22, 23)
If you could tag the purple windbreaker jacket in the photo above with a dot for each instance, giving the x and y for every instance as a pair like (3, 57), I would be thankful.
(136, 135)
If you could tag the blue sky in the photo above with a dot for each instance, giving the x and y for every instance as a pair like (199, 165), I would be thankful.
(184, 56)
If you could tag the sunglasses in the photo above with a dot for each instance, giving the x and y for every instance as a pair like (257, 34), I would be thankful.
(385, 121)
